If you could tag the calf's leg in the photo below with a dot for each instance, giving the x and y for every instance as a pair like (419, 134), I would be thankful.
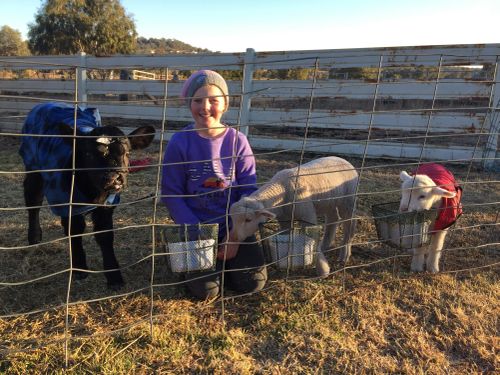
(77, 253)
(33, 197)
(103, 221)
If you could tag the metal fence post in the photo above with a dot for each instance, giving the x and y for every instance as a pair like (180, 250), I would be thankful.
(246, 88)
(491, 154)
(81, 76)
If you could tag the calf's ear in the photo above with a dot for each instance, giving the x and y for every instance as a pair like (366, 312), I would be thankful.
(67, 131)
(141, 137)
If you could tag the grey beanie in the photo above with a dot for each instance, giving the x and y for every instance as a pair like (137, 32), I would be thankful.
(203, 78)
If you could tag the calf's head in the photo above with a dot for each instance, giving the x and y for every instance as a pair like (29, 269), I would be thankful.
(419, 193)
(102, 155)
(246, 215)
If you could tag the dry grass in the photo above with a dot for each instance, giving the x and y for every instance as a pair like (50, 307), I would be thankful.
(371, 317)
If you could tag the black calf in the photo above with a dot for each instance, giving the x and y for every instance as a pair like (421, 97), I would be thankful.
(101, 169)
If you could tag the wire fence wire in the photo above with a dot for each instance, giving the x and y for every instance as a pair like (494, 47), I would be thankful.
(140, 216)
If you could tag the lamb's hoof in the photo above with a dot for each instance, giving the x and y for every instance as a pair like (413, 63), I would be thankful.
(344, 257)
(322, 270)
(417, 265)
(342, 260)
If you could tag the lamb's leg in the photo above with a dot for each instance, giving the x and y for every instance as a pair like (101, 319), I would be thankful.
(435, 247)
(418, 259)
(349, 227)
(77, 253)
(103, 221)
(307, 214)
(322, 266)
(33, 197)
(330, 231)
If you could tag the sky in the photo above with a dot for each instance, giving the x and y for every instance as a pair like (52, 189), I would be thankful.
(284, 25)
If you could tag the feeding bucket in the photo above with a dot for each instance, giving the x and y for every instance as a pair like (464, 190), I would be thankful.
(405, 230)
(290, 249)
(191, 247)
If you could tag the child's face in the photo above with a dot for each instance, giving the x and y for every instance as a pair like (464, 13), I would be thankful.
(207, 106)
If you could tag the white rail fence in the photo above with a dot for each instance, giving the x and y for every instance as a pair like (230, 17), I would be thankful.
(432, 103)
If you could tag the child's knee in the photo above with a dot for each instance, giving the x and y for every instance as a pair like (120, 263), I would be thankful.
(203, 287)
(249, 281)
(205, 290)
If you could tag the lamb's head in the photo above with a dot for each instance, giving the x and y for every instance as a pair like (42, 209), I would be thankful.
(246, 215)
(419, 192)
(102, 155)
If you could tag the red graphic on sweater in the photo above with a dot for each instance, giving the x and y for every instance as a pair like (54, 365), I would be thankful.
(214, 182)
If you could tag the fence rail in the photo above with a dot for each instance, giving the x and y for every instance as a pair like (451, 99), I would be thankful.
(415, 90)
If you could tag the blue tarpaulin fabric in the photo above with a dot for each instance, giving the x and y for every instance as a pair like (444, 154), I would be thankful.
(55, 153)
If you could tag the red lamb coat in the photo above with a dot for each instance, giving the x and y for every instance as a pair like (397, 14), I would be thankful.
(451, 208)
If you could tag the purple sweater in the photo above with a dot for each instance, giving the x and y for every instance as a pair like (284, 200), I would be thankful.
(198, 189)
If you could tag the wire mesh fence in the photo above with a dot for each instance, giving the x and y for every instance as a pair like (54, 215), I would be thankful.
(386, 116)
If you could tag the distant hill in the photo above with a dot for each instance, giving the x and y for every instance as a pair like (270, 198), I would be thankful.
(163, 46)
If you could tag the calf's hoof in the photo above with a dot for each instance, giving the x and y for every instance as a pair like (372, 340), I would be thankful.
(80, 275)
(34, 238)
(115, 280)
(115, 286)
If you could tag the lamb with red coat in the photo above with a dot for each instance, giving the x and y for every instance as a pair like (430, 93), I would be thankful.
(432, 186)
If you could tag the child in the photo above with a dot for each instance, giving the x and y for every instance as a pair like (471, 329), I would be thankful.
(207, 167)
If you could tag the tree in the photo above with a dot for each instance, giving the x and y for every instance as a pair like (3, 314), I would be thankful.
(11, 42)
(97, 27)
(163, 46)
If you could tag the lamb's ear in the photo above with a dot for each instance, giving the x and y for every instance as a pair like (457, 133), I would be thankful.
(404, 176)
(266, 214)
(141, 137)
(443, 192)
(244, 198)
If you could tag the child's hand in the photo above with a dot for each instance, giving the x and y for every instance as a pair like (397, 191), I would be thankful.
(230, 249)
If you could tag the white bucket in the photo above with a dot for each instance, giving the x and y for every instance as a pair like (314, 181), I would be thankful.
(192, 255)
(296, 251)
(409, 236)
(405, 230)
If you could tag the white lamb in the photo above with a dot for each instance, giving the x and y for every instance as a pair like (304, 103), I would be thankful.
(324, 187)
(432, 187)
